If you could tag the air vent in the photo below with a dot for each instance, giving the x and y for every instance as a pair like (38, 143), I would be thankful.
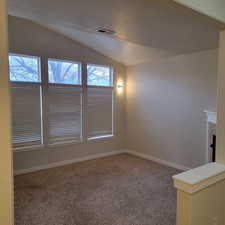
(106, 31)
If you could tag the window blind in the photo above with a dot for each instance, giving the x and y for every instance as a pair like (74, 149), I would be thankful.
(64, 114)
(26, 115)
(99, 112)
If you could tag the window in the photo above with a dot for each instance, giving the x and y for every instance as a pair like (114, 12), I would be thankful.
(64, 72)
(26, 115)
(24, 68)
(26, 97)
(60, 109)
(64, 114)
(99, 102)
(99, 112)
(64, 102)
(99, 75)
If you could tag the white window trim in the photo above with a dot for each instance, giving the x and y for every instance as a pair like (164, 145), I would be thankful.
(44, 84)
(26, 147)
(111, 76)
(39, 67)
(112, 87)
(29, 148)
(64, 143)
(112, 135)
(67, 61)
(103, 137)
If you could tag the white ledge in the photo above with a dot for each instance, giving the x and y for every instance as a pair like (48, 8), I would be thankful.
(199, 178)
(211, 116)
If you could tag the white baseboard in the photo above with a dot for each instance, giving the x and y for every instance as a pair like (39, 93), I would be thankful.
(66, 162)
(96, 156)
(160, 161)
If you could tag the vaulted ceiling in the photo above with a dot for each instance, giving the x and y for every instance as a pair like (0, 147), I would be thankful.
(214, 9)
(145, 29)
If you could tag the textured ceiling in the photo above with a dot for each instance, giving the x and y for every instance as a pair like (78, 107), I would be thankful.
(146, 29)
(126, 52)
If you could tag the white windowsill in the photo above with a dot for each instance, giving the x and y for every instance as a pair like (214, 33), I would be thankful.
(104, 137)
(28, 148)
(211, 116)
(62, 144)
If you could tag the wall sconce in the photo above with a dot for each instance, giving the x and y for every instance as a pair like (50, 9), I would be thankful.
(120, 86)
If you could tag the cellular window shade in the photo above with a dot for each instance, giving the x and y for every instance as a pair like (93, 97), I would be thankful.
(64, 114)
(99, 112)
(26, 115)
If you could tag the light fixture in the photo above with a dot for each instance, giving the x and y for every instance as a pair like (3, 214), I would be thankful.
(120, 86)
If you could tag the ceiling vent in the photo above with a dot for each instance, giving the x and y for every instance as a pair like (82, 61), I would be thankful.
(105, 31)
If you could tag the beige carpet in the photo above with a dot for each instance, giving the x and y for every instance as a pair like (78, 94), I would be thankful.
(117, 190)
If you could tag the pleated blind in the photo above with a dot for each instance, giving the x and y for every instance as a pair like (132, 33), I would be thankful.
(26, 115)
(99, 112)
(64, 114)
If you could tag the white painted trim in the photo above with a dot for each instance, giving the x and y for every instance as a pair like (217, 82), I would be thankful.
(211, 116)
(103, 137)
(66, 162)
(96, 156)
(160, 161)
(199, 178)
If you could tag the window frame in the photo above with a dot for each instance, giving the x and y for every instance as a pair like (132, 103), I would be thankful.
(111, 75)
(66, 61)
(69, 141)
(39, 68)
(111, 87)
(25, 145)
(44, 84)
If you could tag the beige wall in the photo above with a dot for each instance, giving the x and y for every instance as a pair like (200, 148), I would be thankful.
(29, 38)
(206, 207)
(165, 104)
(6, 209)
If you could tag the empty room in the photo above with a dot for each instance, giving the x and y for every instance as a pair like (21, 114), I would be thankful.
(112, 112)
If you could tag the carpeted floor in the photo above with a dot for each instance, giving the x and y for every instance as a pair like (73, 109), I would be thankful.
(117, 190)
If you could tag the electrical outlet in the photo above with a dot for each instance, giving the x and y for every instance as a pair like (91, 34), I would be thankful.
(215, 220)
